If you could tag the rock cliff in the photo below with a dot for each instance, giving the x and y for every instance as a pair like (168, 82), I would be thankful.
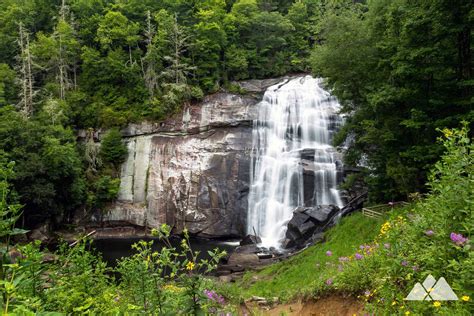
(192, 170)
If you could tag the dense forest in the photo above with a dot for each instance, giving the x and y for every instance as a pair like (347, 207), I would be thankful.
(402, 70)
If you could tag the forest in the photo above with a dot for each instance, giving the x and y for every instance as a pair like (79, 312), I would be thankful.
(402, 71)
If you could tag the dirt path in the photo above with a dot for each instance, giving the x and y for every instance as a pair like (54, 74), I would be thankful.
(333, 305)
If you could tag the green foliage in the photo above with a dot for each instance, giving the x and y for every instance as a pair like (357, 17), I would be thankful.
(112, 148)
(7, 86)
(49, 176)
(104, 190)
(401, 69)
(116, 61)
(168, 281)
(76, 281)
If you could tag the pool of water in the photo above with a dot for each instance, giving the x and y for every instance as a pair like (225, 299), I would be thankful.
(113, 249)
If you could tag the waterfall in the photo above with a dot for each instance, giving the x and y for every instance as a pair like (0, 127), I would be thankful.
(293, 163)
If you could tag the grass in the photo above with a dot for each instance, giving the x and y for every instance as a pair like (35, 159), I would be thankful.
(297, 275)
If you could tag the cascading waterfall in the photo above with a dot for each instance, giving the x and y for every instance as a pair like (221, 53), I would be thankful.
(294, 163)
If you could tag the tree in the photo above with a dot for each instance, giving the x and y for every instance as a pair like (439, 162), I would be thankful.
(49, 178)
(115, 30)
(151, 59)
(7, 85)
(58, 53)
(300, 40)
(112, 150)
(263, 35)
(209, 41)
(177, 70)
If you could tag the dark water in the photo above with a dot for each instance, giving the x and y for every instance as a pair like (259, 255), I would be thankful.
(113, 249)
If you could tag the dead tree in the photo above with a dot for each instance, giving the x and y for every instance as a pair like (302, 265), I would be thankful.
(25, 69)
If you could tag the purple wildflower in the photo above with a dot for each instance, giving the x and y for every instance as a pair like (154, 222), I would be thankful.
(343, 259)
(404, 263)
(329, 253)
(367, 293)
(458, 239)
(429, 233)
(329, 281)
(415, 268)
(213, 296)
(386, 246)
(358, 256)
(361, 247)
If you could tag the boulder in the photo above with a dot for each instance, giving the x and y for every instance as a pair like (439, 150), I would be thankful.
(321, 213)
(247, 249)
(250, 240)
(307, 224)
(40, 233)
(243, 259)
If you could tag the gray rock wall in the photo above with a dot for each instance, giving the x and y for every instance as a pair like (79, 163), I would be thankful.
(192, 170)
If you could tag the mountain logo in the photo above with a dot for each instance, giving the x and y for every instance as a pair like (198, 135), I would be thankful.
(432, 290)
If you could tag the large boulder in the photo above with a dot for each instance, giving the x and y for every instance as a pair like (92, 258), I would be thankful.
(307, 223)
(243, 259)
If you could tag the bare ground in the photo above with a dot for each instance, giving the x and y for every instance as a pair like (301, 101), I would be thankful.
(333, 305)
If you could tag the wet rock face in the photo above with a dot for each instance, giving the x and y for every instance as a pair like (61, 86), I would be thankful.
(192, 170)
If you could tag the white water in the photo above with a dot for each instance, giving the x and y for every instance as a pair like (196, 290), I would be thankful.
(295, 117)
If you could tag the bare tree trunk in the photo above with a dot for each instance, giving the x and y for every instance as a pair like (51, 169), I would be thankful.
(148, 62)
(26, 73)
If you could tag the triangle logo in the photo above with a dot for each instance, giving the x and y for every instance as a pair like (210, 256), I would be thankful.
(432, 290)
(443, 292)
(418, 293)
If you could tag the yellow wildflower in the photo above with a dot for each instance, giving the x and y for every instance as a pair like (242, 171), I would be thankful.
(173, 288)
(394, 303)
(385, 228)
(190, 266)
(436, 304)
(465, 298)
(447, 133)
(407, 313)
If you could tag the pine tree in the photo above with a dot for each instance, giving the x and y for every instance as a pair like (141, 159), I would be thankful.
(178, 69)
